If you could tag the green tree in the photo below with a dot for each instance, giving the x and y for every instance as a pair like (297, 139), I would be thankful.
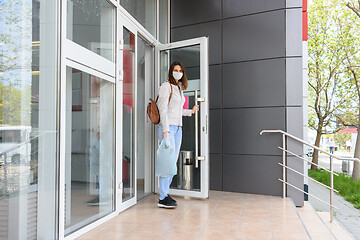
(15, 62)
(341, 138)
(10, 105)
(354, 6)
(328, 92)
(349, 26)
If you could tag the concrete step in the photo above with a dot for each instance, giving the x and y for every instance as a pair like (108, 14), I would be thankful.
(313, 223)
(318, 224)
(335, 226)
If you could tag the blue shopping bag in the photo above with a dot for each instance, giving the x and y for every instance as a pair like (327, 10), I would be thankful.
(166, 159)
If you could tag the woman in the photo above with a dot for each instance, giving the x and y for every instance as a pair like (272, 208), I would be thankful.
(170, 127)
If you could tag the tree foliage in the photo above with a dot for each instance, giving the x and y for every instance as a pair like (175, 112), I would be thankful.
(349, 25)
(329, 91)
(341, 138)
(15, 62)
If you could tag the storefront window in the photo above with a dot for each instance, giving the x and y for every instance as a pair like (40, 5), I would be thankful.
(90, 151)
(90, 23)
(28, 119)
(144, 11)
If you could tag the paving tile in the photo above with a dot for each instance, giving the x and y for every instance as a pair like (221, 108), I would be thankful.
(120, 227)
(224, 216)
(105, 235)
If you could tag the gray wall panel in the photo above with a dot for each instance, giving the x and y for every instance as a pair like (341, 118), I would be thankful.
(294, 117)
(242, 127)
(294, 82)
(211, 29)
(215, 131)
(254, 84)
(215, 86)
(234, 8)
(216, 171)
(296, 180)
(252, 174)
(184, 12)
(294, 32)
(254, 37)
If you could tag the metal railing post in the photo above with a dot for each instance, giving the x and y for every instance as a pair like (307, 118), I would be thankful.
(332, 173)
(331, 188)
(284, 164)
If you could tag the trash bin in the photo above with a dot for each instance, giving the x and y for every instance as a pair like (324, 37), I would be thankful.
(185, 170)
(345, 166)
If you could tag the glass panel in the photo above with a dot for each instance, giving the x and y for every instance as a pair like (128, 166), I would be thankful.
(144, 11)
(145, 78)
(91, 25)
(188, 177)
(28, 119)
(163, 21)
(128, 160)
(90, 152)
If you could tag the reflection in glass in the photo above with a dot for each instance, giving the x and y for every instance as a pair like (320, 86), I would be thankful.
(145, 73)
(163, 21)
(91, 25)
(89, 173)
(190, 58)
(128, 174)
(28, 124)
(144, 11)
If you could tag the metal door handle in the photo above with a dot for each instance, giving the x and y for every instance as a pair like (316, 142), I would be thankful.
(197, 157)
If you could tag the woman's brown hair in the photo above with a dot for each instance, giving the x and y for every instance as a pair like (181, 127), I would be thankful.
(183, 80)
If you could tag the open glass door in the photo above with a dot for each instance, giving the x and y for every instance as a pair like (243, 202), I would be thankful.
(192, 178)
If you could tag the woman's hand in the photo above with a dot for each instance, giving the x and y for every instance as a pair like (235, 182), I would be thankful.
(195, 109)
(165, 135)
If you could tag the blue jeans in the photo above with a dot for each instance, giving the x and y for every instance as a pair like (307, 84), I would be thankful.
(175, 136)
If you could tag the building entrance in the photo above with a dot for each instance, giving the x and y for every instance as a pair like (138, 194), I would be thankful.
(192, 178)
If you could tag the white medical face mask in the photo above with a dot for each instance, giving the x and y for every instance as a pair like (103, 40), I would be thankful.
(177, 75)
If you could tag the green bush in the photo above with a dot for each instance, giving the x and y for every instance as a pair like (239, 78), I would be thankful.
(350, 190)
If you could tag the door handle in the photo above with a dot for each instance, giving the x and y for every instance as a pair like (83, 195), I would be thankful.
(197, 157)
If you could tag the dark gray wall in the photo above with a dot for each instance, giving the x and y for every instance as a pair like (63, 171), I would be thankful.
(255, 50)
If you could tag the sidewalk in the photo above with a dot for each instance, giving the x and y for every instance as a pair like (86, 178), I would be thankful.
(324, 161)
(347, 215)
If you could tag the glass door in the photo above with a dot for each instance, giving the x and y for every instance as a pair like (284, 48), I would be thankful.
(192, 177)
(137, 84)
(128, 153)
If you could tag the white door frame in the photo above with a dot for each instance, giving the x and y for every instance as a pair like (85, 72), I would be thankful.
(204, 110)
(74, 55)
(124, 23)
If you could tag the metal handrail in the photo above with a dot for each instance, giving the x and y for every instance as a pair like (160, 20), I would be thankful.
(310, 145)
(24, 143)
(284, 166)
(307, 160)
(307, 177)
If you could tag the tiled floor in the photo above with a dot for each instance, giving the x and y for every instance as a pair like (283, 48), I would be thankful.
(223, 216)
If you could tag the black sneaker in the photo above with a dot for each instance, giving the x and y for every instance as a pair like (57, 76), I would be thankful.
(172, 199)
(167, 203)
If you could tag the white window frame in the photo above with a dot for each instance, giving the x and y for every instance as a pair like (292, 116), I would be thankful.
(74, 55)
